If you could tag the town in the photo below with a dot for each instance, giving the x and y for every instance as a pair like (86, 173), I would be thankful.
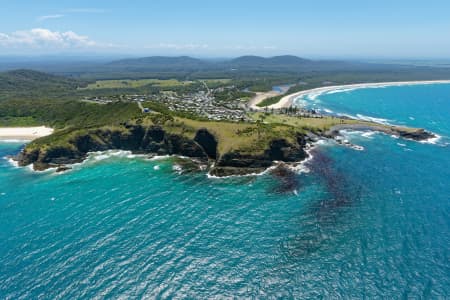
(224, 103)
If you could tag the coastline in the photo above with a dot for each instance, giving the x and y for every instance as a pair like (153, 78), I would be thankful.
(288, 100)
(24, 133)
(261, 96)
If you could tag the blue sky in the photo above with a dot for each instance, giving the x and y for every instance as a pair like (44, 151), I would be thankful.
(316, 29)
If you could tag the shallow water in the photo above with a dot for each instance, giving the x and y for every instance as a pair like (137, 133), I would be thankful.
(372, 223)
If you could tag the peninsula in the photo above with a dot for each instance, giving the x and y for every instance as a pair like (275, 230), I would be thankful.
(233, 122)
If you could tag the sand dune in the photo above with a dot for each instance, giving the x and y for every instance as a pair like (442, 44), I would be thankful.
(24, 133)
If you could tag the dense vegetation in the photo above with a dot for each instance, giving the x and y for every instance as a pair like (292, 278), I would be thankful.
(59, 114)
(33, 84)
(269, 101)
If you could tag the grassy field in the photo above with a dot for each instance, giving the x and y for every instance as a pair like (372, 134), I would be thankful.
(304, 123)
(216, 81)
(128, 83)
(230, 135)
(162, 83)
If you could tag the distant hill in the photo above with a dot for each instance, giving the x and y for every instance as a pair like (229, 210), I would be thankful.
(157, 63)
(287, 68)
(21, 83)
(249, 63)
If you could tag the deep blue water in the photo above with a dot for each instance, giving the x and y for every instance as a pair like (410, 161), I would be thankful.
(372, 223)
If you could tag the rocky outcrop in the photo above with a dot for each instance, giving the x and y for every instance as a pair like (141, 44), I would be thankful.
(207, 141)
(236, 163)
(417, 134)
(137, 139)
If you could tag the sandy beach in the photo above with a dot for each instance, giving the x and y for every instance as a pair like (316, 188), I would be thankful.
(260, 96)
(288, 100)
(24, 133)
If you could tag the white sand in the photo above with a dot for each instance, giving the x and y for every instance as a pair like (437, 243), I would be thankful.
(24, 133)
(260, 96)
(288, 100)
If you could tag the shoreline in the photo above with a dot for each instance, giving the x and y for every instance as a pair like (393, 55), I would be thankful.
(24, 133)
(261, 96)
(288, 100)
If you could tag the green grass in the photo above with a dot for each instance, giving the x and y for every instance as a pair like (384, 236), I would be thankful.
(230, 135)
(303, 123)
(220, 80)
(129, 83)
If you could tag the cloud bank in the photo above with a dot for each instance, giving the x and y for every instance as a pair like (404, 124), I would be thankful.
(45, 38)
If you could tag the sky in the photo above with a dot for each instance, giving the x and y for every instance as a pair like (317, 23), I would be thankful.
(313, 29)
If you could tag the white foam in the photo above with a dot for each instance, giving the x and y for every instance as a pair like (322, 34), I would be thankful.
(160, 157)
(368, 134)
(14, 141)
(313, 96)
(31, 168)
(432, 141)
(208, 175)
(156, 168)
(343, 90)
(372, 119)
(302, 166)
(13, 162)
(299, 167)
(357, 147)
(102, 155)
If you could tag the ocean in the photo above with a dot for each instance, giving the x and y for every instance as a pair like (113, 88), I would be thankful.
(372, 223)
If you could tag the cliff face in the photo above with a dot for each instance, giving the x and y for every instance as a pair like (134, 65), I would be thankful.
(155, 140)
(235, 163)
(137, 139)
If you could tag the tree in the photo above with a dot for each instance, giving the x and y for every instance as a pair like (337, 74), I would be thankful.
(161, 119)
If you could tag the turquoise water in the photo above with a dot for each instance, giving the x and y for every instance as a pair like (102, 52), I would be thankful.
(372, 223)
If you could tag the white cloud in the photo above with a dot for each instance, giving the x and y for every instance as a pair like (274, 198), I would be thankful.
(44, 38)
(43, 18)
(85, 10)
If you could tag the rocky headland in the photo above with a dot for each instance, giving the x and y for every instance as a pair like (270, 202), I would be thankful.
(203, 146)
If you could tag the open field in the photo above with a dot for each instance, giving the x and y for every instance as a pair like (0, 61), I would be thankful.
(136, 83)
(323, 123)
(230, 135)
(129, 83)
